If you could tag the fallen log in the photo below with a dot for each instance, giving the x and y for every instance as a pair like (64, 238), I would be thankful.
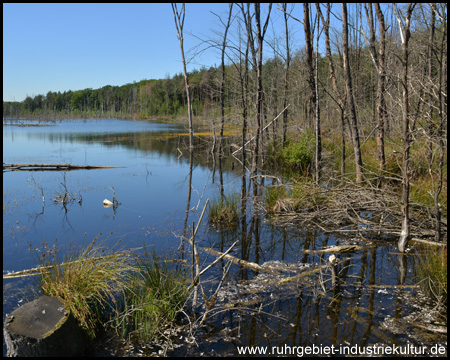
(249, 264)
(44, 327)
(428, 242)
(339, 249)
(52, 167)
(45, 269)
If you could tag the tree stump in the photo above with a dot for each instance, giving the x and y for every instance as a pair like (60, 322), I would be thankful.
(44, 327)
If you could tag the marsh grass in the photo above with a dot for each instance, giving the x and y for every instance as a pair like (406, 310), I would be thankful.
(87, 281)
(300, 196)
(224, 212)
(157, 293)
(275, 196)
(431, 274)
(137, 295)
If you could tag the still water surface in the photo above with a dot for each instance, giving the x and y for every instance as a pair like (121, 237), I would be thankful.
(152, 185)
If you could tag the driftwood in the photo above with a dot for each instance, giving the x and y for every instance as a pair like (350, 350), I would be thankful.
(51, 167)
(237, 261)
(428, 242)
(339, 249)
(368, 213)
(44, 269)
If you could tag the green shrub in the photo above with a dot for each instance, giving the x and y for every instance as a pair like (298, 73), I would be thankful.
(298, 156)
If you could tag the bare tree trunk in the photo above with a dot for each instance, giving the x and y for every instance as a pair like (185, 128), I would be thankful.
(179, 23)
(257, 60)
(442, 113)
(318, 135)
(309, 61)
(222, 103)
(286, 75)
(350, 101)
(429, 116)
(259, 95)
(405, 35)
(339, 101)
(381, 88)
(244, 93)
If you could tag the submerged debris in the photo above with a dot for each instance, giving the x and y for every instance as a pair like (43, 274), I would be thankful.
(265, 285)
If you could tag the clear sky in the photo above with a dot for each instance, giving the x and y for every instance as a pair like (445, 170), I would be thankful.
(59, 47)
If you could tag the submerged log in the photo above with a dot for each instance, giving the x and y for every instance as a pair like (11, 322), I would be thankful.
(51, 167)
(44, 327)
(339, 249)
(244, 263)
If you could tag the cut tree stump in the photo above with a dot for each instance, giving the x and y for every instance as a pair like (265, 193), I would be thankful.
(44, 327)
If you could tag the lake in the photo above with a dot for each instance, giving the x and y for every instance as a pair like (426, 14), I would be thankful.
(151, 182)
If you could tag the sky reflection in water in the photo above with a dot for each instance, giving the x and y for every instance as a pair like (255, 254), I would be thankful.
(152, 186)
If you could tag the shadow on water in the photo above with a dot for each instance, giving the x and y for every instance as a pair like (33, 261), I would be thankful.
(289, 303)
(374, 302)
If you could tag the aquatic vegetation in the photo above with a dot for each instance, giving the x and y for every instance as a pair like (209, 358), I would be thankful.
(87, 281)
(156, 294)
(431, 273)
(274, 197)
(138, 298)
(224, 212)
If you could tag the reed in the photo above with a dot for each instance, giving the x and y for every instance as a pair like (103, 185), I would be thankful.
(274, 196)
(224, 212)
(87, 281)
(157, 293)
(431, 273)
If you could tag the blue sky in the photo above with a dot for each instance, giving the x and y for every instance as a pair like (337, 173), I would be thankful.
(59, 47)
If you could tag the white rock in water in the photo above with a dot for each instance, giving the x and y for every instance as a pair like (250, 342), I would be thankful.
(107, 203)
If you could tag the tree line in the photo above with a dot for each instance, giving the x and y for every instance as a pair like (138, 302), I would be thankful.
(156, 97)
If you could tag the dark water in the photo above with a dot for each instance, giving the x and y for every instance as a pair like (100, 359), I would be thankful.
(152, 184)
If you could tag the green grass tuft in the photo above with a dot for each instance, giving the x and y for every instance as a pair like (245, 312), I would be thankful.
(155, 296)
(431, 274)
(225, 212)
(87, 282)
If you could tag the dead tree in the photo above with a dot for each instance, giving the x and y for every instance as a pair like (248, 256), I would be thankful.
(405, 34)
(350, 100)
(442, 113)
(222, 101)
(309, 61)
(257, 62)
(317, 109)
(179, 23)
(337, 96)
(260, 33)
(381, 87)
(286, 74)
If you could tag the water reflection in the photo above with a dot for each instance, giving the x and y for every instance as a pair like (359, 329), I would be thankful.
(161, 187)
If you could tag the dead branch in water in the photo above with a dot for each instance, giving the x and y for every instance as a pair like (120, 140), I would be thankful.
(51, 167)
(339, 249)
(361, 211)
